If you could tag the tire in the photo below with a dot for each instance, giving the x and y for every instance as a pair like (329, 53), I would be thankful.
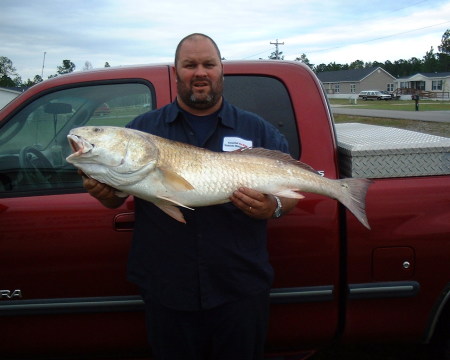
(440, 343)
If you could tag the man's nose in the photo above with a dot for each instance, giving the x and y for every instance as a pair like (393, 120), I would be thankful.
(200, 71)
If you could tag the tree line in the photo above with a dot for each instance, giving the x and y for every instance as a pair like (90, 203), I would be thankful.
(430, 63)
(10, 78)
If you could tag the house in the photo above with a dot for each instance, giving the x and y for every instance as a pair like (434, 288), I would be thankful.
(7, 94)
(349, 83)
(431, 85)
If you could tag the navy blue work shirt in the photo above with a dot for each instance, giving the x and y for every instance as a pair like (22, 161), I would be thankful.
(220, 255)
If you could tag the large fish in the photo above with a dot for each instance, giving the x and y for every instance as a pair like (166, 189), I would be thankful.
(170, 174)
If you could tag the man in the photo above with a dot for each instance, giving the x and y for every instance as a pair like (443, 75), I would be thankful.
(205, 283)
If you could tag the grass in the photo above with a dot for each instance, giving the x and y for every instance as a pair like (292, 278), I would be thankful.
(404, 105)
(427, 127)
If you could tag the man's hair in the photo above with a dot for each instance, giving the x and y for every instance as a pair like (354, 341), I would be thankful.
(192, 36)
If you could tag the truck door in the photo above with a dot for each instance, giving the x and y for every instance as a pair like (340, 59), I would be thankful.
(303, 245)
(63, 255)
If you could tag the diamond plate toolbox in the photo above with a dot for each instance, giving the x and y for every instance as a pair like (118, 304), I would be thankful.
(371, 151)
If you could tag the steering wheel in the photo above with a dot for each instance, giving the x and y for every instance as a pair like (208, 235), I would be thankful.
(33, 162)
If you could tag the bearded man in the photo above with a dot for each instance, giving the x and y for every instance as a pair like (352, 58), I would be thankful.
(206, 283)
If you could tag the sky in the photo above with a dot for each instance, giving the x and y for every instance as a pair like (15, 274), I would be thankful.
(38, 35)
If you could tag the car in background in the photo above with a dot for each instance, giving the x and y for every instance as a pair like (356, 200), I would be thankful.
(374, 95)
(102, 110)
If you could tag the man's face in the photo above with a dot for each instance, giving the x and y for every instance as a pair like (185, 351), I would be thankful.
(199, 73)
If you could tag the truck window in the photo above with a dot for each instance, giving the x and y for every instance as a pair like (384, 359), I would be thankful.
(33, 143)
(267, 97)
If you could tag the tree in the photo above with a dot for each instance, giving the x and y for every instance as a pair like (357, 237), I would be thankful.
(87, 66)
(37, 79)
(107, 64)
(445, 43)
(444, 52)
(276, 55)
(67, 67)
(320, 68)
(7, 71)
(303, 59)
(357, 64)
(430, 61)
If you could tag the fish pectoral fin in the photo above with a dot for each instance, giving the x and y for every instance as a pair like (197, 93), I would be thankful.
(289, 193)
(175, 181)
(169, 207)
(173, 202)
(173, 212)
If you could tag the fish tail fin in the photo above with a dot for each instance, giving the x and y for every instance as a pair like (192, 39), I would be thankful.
(353, 196)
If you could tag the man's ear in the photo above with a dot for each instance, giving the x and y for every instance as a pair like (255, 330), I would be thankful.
(174, 72)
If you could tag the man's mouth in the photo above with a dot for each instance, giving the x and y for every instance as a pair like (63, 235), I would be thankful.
(200, 84)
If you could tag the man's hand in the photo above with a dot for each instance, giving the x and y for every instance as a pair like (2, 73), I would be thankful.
(258, 205)
(253, 203)
(102, 192)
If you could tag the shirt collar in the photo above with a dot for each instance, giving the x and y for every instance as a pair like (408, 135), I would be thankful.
(226, 117)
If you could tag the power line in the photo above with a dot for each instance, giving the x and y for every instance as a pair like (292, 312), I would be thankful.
(379, 38)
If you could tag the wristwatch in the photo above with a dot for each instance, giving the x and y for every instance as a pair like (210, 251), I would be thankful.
(279, 210)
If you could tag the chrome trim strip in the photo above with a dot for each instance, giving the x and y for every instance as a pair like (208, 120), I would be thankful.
(301, 294)
(71, 305)
(135, 303)
(377, 290)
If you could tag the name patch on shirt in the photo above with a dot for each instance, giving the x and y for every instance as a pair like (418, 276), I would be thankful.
(231, 143)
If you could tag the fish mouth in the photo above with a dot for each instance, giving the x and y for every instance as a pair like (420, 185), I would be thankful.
(79, 145)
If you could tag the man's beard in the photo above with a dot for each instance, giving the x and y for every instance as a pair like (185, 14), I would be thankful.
(204, 101)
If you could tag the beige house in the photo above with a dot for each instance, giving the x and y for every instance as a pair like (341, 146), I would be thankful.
(431, 85)
(349, 83)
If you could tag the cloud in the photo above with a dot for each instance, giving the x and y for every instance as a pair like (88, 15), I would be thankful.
(126, 32)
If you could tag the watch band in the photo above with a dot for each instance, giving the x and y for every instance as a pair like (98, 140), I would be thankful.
(279, 210)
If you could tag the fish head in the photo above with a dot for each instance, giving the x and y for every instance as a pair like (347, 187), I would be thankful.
(112, 155)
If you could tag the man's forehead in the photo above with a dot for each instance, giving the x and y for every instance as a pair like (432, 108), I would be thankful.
(197, 46)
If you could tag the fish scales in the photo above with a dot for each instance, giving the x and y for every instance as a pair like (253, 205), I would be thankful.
(172, 174)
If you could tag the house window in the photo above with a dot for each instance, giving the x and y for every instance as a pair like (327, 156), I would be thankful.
(336, 88)
(436, 85)
(352, 88)
(390, 87)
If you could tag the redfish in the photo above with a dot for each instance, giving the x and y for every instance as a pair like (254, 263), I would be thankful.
(171, 174)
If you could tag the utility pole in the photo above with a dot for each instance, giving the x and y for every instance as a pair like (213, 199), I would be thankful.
(277, 53)
(43, 64)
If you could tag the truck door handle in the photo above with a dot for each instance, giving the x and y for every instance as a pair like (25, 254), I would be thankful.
(124, 222)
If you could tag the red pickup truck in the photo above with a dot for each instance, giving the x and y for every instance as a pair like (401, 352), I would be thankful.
(63, 256)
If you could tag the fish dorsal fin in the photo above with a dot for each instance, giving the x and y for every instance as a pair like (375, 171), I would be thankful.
(175, 181)
(274, 155)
